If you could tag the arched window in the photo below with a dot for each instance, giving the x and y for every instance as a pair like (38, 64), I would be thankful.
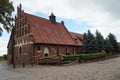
(67, 51)
(38, 48)
(46, 51)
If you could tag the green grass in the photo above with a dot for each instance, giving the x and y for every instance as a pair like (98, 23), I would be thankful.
(3, 61)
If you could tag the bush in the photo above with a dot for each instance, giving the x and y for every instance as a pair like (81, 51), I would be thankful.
(91, 56)
(83, 57)
(5, 56)
(70, 57)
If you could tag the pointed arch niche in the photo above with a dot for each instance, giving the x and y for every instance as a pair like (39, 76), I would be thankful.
(46, 51)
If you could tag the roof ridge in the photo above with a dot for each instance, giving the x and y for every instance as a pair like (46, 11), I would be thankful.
(39, 17)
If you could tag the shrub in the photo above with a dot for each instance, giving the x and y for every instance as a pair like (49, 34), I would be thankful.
(91, 56)
(70, 57)
(83, 57)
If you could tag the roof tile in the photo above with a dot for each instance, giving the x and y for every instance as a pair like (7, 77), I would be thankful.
(46, 32)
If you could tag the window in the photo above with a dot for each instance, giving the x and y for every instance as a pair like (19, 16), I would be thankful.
(57, 51)
(38, 48)
(67, 52)
(46, 51)
(73, 50)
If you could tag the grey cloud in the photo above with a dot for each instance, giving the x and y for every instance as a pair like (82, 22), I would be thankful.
(78, 4)
(110, 6)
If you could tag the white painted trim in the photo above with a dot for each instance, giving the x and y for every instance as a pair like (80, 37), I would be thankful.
(23, 43)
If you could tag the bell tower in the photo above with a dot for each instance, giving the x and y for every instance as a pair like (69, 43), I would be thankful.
(52, 18)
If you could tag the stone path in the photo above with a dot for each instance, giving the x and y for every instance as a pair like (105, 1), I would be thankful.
(101, 70)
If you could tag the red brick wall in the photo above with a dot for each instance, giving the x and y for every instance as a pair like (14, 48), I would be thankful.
(33, 54)
(23, 56)
(53, 50)
(10, 51)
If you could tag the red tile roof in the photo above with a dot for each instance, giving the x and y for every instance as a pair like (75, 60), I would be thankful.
(46, 32)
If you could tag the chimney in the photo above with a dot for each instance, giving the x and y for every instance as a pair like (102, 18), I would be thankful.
(62, 22)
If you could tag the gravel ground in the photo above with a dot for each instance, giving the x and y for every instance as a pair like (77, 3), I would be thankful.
(101, 70)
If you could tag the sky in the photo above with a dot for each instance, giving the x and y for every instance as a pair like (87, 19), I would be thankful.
(78, 15)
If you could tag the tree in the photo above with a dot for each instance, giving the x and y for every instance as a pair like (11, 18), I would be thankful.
(113, 41)
(85, 42)
(6, 9)
(108, 46)
(89, 43)
(5, 56)
(99, 41)
(95, 44)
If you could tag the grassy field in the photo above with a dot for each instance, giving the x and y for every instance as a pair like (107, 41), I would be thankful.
(3, 61)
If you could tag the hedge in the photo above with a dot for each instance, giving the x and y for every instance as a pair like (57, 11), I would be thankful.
(80, 57)
(70, 57)
(91, 56)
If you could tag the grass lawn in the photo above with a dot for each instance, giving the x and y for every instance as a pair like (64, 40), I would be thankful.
(3, 61)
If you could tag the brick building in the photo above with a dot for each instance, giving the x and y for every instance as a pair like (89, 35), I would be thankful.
(36, 37)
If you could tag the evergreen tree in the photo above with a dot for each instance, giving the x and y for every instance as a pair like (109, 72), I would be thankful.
(99, 41)
(113, 41)
(85, 42)
(108, 46)
(6, 9)
(89, 43)
(95, 44)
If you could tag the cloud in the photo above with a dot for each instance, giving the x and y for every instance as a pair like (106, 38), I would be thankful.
(102, 15)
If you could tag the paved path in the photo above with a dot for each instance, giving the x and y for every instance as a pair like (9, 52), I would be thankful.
(101, 70)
